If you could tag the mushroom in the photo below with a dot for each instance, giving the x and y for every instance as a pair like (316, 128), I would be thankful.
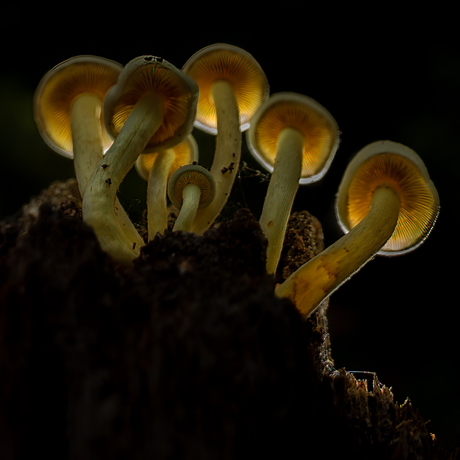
(156, 168)
(190, 188)
(68, 112)
(295, 138)
(232, 87)
(386, 203)
(151, 107)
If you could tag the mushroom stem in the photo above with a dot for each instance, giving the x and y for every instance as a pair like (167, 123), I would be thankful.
(281, 192)
(157, 208)
(99, 208)
(318, 278)
(87, 147)
(86, 136)
(191, 196)
(227, 154)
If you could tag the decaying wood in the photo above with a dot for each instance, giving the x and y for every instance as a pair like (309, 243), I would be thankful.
(188, 354)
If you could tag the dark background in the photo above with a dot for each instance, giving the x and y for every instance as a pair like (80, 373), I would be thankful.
(381, 75)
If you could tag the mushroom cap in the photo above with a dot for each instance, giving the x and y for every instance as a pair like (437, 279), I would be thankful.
(186, 152)
(191, 174)
(387, 163)
(151, 74)
(60, 87)
(292, 110)
(234, 65)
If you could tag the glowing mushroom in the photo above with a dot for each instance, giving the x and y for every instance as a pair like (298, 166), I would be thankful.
(190, 188)
(151, 107)
(387, 204)
(232, 87)
(68, 112)
(296, 138)
(156, 168)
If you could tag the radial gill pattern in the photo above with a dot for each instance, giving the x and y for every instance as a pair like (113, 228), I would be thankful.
(419, 201)
(319, 134)
(234, 66)
(175, 94)
(61, 86)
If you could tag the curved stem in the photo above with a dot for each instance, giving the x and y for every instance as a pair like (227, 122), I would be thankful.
(87, 140)
(157, 208)
(191, 196)
(281, 192)
(322, 275)
(99, 209)
(227, 154)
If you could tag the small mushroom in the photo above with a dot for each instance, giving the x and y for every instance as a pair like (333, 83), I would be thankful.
(156, 168)
(190, 188)
(68, 112)
(151, 107)
(386, 203)
(296, 138)
(232, 87)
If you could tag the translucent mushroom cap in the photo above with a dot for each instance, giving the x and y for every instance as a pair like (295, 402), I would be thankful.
(151, 74)
(186, 152)
(191, 174)
(238, 67)
(59, 88)
(292, 110)
(386, 163)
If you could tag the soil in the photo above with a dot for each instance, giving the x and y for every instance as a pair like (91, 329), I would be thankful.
(187, 354)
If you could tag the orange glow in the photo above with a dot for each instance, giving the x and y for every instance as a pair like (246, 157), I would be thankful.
(320, 135)
(419, 205)
(185, 153)
(234, 66)
(61, 86)
(158, 79)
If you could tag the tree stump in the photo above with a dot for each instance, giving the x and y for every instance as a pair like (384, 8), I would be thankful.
(187, 354)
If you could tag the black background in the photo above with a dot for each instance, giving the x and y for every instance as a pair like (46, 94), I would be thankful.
(382, 75)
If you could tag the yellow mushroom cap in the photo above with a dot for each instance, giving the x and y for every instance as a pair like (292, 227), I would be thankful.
(60, 87)
(292, 110)
(386, 163)
(186, 152)
(232, 64)
(191, 174)
(150, 74)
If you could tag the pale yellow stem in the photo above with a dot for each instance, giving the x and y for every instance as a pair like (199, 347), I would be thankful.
(86, 137)
(281, 192)
(227, 154)
(87, 140)
(99, 209)
(191, 196)
(157, 206)
(322, 275)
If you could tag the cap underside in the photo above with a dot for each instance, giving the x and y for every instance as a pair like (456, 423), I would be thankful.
(240, 70)
(419, 199)
(321, 136)
(59, 89)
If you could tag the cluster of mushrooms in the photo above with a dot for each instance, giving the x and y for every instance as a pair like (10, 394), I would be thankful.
(109, 118)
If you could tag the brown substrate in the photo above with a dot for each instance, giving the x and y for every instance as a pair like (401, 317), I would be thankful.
(188, 354)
